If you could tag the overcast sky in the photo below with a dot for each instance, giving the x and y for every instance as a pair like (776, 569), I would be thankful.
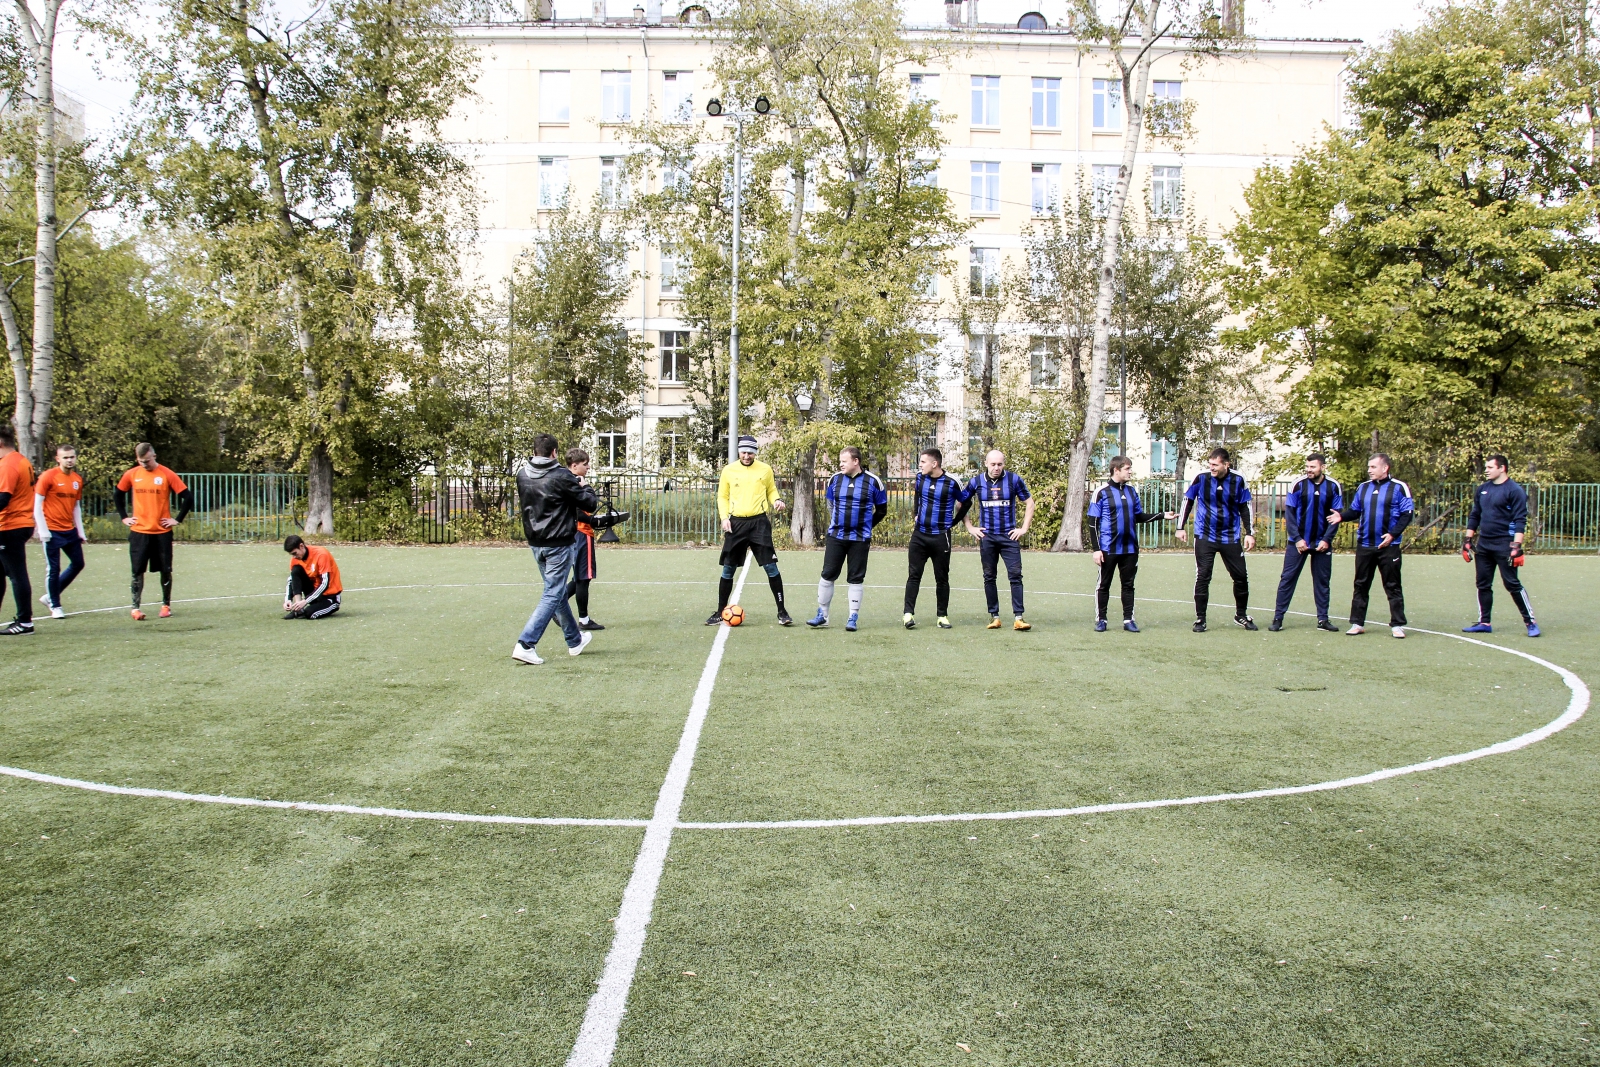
(104, 86)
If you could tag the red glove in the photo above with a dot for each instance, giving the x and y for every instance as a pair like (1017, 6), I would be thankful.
(1517, 558)
(1466, 551)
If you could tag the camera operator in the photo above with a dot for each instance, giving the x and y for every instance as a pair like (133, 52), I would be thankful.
(550, 497)
(583, 561)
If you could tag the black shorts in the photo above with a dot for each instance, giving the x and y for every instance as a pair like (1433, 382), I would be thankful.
(752, 533)
(836, 552)
(583, 562)
(152, 552)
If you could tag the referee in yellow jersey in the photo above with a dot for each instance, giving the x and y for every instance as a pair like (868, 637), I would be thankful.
(746, 494)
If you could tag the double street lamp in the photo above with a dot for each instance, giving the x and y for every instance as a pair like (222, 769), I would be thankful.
(715, 109)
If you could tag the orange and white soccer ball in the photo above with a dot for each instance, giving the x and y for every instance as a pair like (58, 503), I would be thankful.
(733, 615)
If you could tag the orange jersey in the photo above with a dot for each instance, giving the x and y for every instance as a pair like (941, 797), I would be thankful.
(62, 490)
(151, 496)
(319, 561)
(16, 478)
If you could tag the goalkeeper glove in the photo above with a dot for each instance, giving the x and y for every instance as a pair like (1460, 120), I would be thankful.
(1466, 549)
(1517, 558)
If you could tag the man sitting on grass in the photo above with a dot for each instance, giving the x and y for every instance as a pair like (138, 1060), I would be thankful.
(314, 588)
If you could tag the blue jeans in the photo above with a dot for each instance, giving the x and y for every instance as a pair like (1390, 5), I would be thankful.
(554, 564)
(55, 582)
(1321, 574)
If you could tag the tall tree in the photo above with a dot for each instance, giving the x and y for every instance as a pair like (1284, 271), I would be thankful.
(302, 158)
(1429, 277)
(1137, 33)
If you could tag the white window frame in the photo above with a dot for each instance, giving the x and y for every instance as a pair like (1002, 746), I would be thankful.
(1167, 92)
(1106, 104)
(1163, 455)
(983, 271)
(677, 95)
(672, 443)
(555, 97)
(1102, 186)
(616, 96)
(613, 190)
(925, 88)
(1046, 189)
(979, 347)
(1046, 106)
(554, 181)
(986, 101)
(1166, 192)
(675, 343)
(608, 443)
(1044, 363)
(671, 271)
(985, 187)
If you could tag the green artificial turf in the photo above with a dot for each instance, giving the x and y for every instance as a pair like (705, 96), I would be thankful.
(1441, 918)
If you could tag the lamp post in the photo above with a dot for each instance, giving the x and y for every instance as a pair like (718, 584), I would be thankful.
(715, 109)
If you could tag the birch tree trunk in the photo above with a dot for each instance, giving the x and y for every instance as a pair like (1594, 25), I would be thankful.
(1135, 84)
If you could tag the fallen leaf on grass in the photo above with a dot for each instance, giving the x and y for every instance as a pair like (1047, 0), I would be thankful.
(690, 974)
(963, 1048)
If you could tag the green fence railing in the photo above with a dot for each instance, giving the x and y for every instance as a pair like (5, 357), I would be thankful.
(227, 507)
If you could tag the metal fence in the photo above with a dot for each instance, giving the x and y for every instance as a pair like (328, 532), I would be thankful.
(666, 509)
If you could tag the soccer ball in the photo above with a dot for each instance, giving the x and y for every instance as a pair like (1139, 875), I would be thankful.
(733, 615)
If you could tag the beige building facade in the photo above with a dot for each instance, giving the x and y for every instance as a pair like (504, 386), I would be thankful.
(1027, 111)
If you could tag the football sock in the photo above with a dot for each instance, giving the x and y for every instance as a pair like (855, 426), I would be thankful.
(724, 591)
(581, 591)
(166, 587)
(776, 582)
(854, 590)
(138, 588)
(824, 596)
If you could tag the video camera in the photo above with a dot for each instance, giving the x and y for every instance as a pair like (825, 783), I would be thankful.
(606, 515)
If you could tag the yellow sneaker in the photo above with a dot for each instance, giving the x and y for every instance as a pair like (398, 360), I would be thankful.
(994, 623)
(1020, 624)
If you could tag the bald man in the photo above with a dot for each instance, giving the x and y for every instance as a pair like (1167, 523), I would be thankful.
(995, 494)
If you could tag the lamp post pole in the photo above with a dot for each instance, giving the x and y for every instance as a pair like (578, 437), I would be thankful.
(715, 109)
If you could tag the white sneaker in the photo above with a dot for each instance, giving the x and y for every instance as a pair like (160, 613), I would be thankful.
(45, 599)
(1398, 631)
(525, 655)
(56, 612)
(1354, 630)
(584, 638)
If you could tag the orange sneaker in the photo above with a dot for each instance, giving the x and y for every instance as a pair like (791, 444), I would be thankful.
(166, 612)
(138, 616)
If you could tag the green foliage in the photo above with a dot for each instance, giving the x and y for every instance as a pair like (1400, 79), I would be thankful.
(1427, 280)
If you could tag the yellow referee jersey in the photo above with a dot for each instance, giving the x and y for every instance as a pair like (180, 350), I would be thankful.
(746, 491)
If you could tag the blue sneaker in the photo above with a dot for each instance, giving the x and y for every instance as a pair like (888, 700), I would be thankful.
(1099, 626)
(819, 620)
(1478, 628)
(850, 623)
(1131, 626)
(1533, 629)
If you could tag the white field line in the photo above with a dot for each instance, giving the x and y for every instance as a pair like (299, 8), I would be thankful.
(1574, 711)
(597, 1038)
(371, 589)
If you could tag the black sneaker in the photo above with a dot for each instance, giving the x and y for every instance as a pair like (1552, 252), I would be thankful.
(16, 629)
(715, 619)
(591, 625)
(1246, 621)
(1274, 626)
(1324, 624)
(783, 618)
(1199, 626)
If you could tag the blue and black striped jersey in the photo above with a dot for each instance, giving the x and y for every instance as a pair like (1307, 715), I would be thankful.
(997, 501)
(1305, 509)
(935, 500)
(1220, 506)
(1116, 512)
(852, 499)
(1382, 506)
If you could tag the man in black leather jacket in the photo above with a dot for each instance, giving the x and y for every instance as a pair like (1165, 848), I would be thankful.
(550, 497)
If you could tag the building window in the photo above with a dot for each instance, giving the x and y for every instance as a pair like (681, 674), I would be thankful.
(1166, 107)
(1032, 21)
(985, 272)
(674, 179)
(677, 96)
(1107, 103)
(1224, 433)
(616, 96)
(926, 437)
(672, 437)
(1163, 455)
(985, 188)
(552, 181)
(1103, 183)
(1110, 443)
(1046, 188)
(613, 193)
(983, 354)
(611, 445)
(985, 100)
(925, 88)
(671, 271)
(930, 284)
(1047, 103)
(1166, 192)
(1044, 358)
(674, 346)
(975, 449)
(555, 96)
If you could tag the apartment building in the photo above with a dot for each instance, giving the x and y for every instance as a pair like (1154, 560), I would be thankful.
(1027, 111)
